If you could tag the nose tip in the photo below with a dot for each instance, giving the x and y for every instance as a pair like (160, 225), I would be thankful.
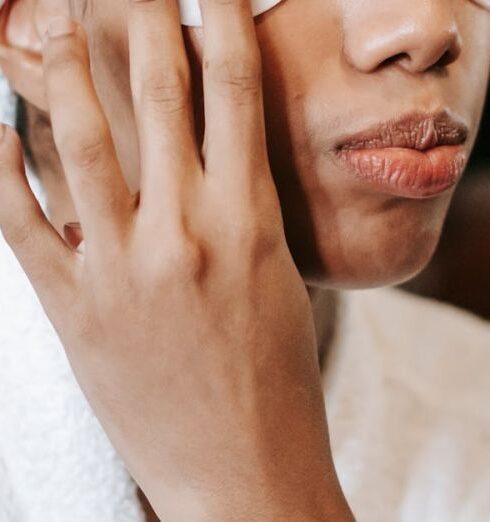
(416, 35)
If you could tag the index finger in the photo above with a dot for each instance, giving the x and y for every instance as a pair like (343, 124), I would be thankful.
(82, 134)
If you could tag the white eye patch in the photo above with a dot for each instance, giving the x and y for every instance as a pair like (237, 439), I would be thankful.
(190, 13)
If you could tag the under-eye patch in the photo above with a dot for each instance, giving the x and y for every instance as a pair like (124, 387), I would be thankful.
(484, 3)
(190, 13)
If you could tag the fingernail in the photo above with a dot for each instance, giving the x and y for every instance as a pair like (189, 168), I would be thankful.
(60, 26)
(73, 224)
(73, 234)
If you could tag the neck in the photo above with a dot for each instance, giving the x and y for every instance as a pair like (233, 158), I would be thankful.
(324, 303)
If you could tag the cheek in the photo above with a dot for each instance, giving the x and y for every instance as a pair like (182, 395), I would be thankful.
(471, 73)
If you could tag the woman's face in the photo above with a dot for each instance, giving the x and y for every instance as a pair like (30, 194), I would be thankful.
(333, 68)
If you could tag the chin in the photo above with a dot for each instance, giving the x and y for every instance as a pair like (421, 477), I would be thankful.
(371, 269)
(376, 270)
(371, 250)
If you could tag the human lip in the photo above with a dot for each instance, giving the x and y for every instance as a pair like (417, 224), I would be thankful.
(417, 156)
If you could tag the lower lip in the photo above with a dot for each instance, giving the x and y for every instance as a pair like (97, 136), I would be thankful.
(407, 172)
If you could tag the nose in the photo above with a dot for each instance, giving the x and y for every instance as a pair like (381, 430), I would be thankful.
(417, 35)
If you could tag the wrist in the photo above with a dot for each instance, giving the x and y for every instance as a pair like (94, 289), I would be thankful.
(277, 469)
(328, 506)
(316, 497)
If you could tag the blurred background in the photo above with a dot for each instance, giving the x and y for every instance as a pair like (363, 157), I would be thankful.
(460, 270)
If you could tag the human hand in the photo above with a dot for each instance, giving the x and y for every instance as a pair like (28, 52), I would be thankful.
(185, 319)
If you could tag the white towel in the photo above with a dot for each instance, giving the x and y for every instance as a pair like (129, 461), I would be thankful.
(56, 463)
(190, 13)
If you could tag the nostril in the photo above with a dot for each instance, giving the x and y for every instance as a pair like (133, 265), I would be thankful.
(417, 62)
(422, 38)
(446, 59)
(394, 59)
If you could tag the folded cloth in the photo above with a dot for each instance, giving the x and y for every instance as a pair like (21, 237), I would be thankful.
(190, 12)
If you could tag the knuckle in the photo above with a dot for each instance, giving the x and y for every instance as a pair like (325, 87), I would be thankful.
(166, 87)
(60, 60)
(180, 259)
(256, 240)
(86, 150)
(237, 77)
(185, 260)
(18, 233)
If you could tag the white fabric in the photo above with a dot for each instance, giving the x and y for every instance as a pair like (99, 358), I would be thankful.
(7, 100)
(407, 390)
(190, 13)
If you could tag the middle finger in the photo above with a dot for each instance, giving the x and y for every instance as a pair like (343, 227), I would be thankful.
(235, 146)
(161, 87)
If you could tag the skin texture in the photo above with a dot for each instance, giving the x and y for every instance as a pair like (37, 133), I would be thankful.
(329, 68)
(194, 359)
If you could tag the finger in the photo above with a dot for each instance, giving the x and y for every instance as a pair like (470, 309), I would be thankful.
(161, 87)
(82, 134)
(25, 73)
(44, 256)
(235, 128)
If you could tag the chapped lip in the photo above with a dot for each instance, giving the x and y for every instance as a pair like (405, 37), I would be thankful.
(419, 155)
(418, 131)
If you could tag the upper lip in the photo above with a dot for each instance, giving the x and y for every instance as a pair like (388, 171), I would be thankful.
(418, 131)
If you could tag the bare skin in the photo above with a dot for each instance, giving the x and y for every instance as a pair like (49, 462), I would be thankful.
(330, 68)
(340, 234)
(60, 205)
(143, 320)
